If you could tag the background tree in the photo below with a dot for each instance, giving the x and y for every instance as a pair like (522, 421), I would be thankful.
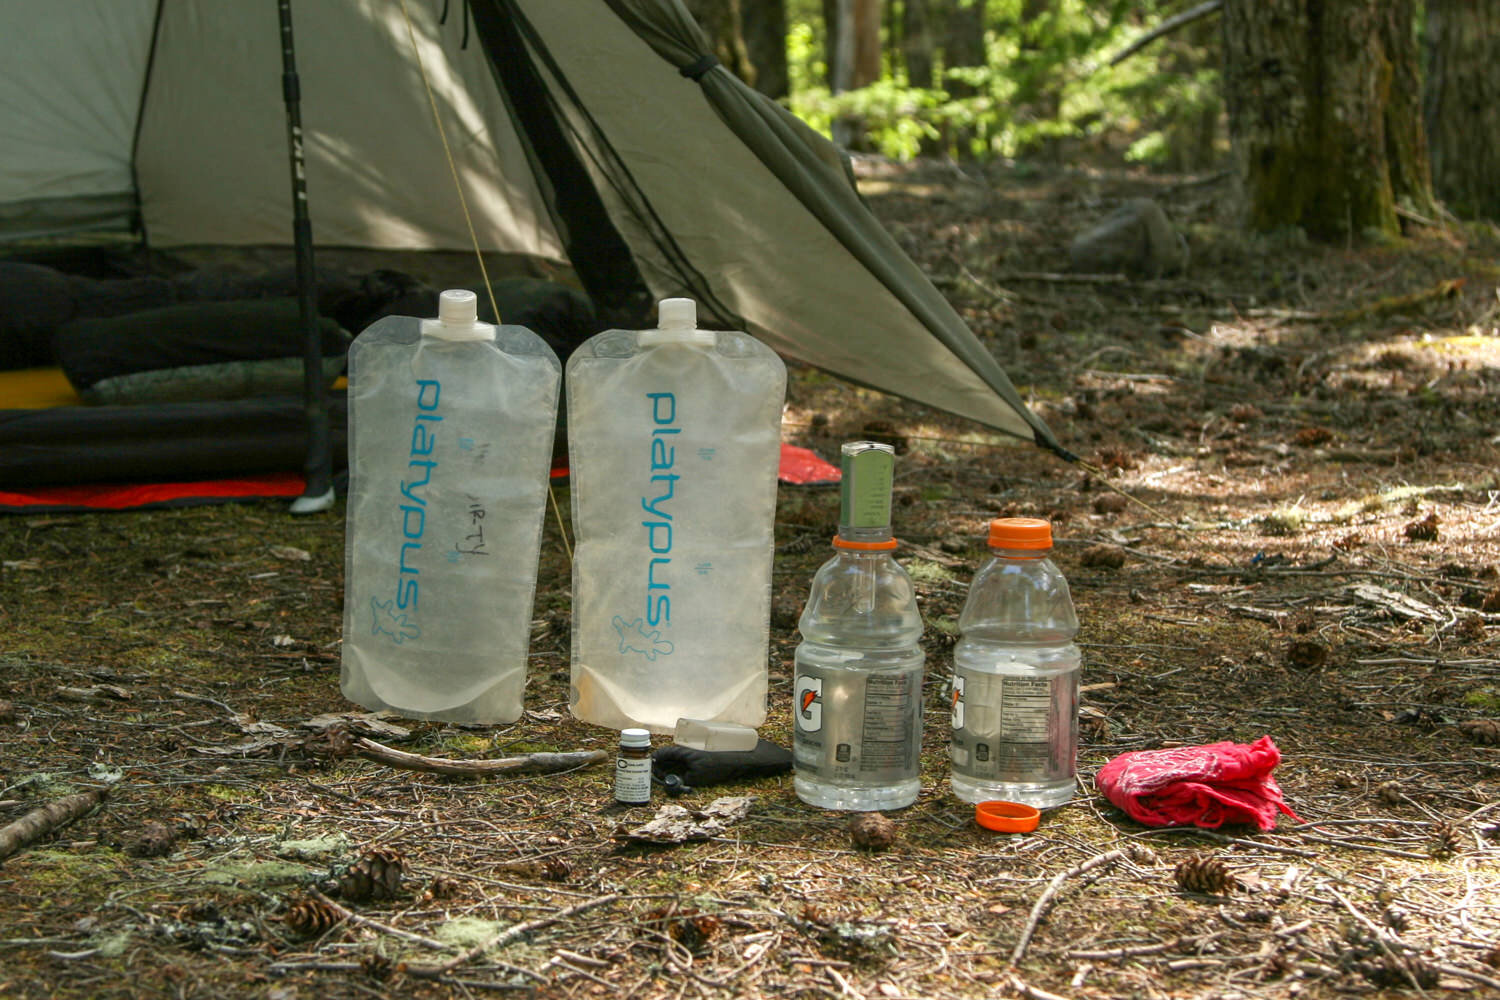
(917, 43)
(749, 37)
(1462, 103)
(1321, 139)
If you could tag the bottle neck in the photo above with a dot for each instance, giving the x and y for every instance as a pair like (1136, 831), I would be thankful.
(1032, 555)
(860, 539)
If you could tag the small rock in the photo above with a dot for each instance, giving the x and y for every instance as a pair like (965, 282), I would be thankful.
(1307, 654)
(1110, 503)
(1103, 557)
(872, 831)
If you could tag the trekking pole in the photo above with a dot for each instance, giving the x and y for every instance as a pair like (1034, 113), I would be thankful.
(317, 493)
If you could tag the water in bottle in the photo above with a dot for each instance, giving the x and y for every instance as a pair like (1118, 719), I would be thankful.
(858, 692)
(674, 437)
(1015, 674)
(450, 443)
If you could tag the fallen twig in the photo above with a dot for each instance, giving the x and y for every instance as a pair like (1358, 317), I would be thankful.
(1032, 992)
(39, 822)
(1378, 935)
(1044, 901)
(530, 763)
(1168, 26)
(354, 918)
(506, 936)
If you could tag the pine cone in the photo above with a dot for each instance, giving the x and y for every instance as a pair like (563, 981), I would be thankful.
(377, 966)
(1397, 919)
(1447, 839)
(1398, 972)
(872, 831)
(333, 743)
(154, 841)
(1205, 873)
(7, 710)
(1390, 792)
(376, 875)
(1486, 731)
(311, 917)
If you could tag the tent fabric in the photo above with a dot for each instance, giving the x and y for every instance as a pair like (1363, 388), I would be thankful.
(170, 112)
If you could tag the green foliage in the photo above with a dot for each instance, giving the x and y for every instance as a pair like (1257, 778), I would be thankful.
(1046, 88)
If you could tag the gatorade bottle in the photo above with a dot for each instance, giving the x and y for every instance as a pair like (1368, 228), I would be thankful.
(1015, 674)
(858, 695)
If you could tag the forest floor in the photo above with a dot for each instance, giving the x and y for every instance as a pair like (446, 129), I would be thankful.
(1312, 435)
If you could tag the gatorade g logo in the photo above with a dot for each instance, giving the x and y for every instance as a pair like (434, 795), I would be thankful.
(809, 703)
(958, 703)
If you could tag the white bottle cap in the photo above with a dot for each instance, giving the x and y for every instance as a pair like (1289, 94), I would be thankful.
(458, 318)
(677, 314)
(458, 307)
(635, 737)
(677, 323)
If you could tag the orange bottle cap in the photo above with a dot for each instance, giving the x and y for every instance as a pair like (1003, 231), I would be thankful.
(1020, 533)
(1006, 817)
(881, 546)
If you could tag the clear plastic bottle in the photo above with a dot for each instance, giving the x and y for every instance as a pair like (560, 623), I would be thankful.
(674, 436)
(858, 694)
(1015, 674)
(450, 438)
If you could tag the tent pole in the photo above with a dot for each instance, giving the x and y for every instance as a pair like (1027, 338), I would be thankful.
(317, 494)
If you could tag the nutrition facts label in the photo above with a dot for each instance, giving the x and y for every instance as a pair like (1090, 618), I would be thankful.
(1009, 728)
(1025, 705)
(887, 736)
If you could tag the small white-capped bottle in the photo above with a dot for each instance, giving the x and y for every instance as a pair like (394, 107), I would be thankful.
(1015, 674)
(633, 768)
(858, 691)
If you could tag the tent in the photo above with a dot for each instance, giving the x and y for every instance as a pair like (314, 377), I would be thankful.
(598, 136)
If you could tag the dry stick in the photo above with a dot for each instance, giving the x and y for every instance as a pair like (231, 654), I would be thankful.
(1045, 899)
(1168, 26)
(1475, 977)
(1032, 992)
(506, 936)
(354, 918)
(530, 763)
(39, 822)
(1379, 937)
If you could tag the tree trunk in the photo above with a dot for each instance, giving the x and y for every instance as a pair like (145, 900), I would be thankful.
(963, 42)
(1321, 141)
(963, 47)
(1406, 148)
(763, 24)
(721, 21)
(916, 43)
(1462, 112)
(838, 22)
(866, 42)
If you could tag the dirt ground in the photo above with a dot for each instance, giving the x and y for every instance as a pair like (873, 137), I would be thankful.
(1311, 434)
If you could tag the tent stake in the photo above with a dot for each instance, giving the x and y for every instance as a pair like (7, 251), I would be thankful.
(318, 469)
